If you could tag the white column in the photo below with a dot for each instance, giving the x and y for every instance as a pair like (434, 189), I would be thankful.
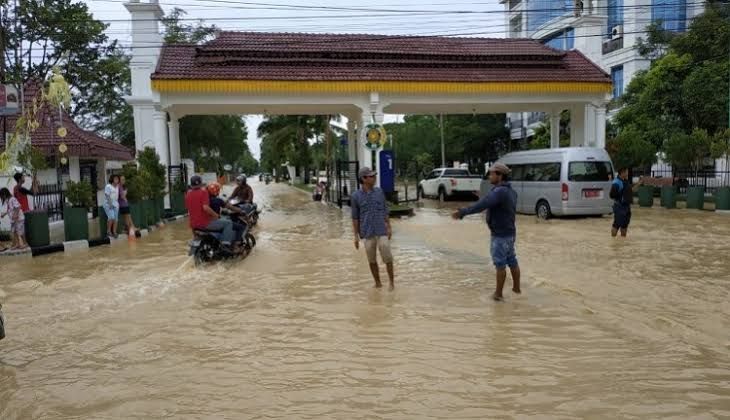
(74, 168)
(161, 144)
(601, 126)
(577, 117)
(352, 138)
(589, 128)
(174, 136)
(555, 130)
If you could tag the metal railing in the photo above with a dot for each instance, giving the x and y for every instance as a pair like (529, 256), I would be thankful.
(50, 198)
(176, 174)
(709, 179)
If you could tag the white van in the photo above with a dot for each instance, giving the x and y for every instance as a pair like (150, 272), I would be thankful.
(572, 181)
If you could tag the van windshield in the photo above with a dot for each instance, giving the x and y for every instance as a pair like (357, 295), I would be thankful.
(590, 171)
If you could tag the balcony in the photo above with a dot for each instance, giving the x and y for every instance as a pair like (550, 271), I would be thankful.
(611, 45)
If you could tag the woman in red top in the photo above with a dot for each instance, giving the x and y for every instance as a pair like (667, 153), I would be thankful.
(21, 193)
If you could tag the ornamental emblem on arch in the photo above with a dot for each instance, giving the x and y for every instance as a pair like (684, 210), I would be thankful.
(374, 136)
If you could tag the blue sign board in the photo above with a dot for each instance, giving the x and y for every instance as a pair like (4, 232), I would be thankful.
(386, 172)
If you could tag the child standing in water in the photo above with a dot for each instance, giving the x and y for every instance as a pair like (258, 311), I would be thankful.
(17, 218)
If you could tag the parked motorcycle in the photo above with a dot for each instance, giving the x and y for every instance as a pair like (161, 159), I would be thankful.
(206, 247)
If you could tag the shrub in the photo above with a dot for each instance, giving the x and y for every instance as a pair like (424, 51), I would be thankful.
(80, 194)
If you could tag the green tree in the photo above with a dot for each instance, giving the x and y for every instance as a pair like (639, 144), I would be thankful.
(64, 33)
(629, 149)
(541, 139)
(213, 141)
(688, 151)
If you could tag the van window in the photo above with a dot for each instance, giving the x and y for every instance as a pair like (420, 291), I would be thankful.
(542, 172)
(517, 172)
(590, 171)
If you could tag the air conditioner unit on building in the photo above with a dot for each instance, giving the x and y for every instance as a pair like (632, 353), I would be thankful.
(617, 32)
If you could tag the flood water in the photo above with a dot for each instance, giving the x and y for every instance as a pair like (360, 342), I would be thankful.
(636, 328)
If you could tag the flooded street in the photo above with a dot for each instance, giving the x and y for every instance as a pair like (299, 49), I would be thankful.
(606, 328)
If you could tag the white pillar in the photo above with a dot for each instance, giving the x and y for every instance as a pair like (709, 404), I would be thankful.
(589, 128)
(174, 136)
(555, 130)
(74, 168)
(577, 117)
(352, 139)
(601, 127)
(161, 144)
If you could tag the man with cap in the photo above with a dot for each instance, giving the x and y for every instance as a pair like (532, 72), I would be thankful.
(202, 216)
(370, 223)
(501, 206)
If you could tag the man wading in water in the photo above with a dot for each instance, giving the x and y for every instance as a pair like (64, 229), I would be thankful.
(501, 206)
(370, 222)
(622, 193)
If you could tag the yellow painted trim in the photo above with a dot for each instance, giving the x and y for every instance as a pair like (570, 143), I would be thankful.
(285, 86)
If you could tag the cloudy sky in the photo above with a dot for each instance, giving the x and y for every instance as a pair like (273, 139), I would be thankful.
(397, 17)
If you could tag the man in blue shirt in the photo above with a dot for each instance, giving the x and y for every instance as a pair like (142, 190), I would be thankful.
(501, 207)
(622, 193)
(370, 222)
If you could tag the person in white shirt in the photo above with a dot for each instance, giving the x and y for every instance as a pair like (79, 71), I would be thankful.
(111, 205)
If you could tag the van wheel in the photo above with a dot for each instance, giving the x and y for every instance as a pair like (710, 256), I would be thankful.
(442, 194)
(543, 210)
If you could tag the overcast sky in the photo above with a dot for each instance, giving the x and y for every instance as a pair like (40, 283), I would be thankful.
(397, 17)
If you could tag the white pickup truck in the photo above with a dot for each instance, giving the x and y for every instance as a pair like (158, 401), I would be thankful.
(445, 183)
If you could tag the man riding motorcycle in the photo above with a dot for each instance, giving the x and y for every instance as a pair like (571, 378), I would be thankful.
(218, 204)
(243, 192)
(202, 216)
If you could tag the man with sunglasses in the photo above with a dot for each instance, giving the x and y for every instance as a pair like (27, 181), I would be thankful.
(370, 223)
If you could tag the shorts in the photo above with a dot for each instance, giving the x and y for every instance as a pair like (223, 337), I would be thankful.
(621, 217)
(503, 252)
(375, 244)
(112, 213)
(18, 227)
(124, 210)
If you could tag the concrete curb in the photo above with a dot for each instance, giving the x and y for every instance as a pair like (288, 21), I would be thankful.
(71, 246)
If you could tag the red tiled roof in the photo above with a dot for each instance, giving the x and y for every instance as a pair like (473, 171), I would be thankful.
(80, 142)
(309, 57)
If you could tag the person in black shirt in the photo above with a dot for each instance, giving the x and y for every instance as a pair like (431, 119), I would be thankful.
(622, 193)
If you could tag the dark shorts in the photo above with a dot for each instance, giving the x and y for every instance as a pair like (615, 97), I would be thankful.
(124, 210)
(621, 216)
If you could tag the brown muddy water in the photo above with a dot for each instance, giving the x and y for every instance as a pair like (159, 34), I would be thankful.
(636, 328)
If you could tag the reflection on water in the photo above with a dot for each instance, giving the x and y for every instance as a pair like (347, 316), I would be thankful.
(606, 328)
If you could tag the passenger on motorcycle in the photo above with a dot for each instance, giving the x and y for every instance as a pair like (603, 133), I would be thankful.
(202, 216)
(218, 204)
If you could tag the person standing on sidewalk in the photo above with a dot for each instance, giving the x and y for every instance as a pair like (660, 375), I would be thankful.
(370, 223)
(124, 210)
(501, 207)
(111, 205)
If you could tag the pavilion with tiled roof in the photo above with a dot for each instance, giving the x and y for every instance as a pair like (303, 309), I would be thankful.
(362, 77)
(81, 143)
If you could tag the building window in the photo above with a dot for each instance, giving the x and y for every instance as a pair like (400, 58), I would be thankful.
(617, 78)
(515, 26)
(615, 14)
(563, 40)
(541, 12)
(672, 14)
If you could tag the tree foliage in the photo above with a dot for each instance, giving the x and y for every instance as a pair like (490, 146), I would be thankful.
(64, 33)
(681, 101)
(541, 139)
(213, 141)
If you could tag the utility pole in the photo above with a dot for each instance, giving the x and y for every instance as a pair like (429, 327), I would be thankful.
(443, 149)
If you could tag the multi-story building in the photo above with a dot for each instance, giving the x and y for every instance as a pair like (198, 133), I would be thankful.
(606, 31)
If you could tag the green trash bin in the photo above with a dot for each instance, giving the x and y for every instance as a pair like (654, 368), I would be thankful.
(669, 197)
(160, 207)
(722, 199)
(37, 232)
(138, 217)
(696, 198)
(149, 212)
(646, 196)
(102, 221)
(178, 203)
(76, 223)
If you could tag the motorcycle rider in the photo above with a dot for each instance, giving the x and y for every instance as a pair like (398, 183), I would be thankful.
(243, 191)
(218, 204)
(202, 216)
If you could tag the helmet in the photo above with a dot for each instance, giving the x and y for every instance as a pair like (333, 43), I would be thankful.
(214, 189)
(241, 179)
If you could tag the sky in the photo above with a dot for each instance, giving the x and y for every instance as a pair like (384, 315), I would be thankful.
(391, 17)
